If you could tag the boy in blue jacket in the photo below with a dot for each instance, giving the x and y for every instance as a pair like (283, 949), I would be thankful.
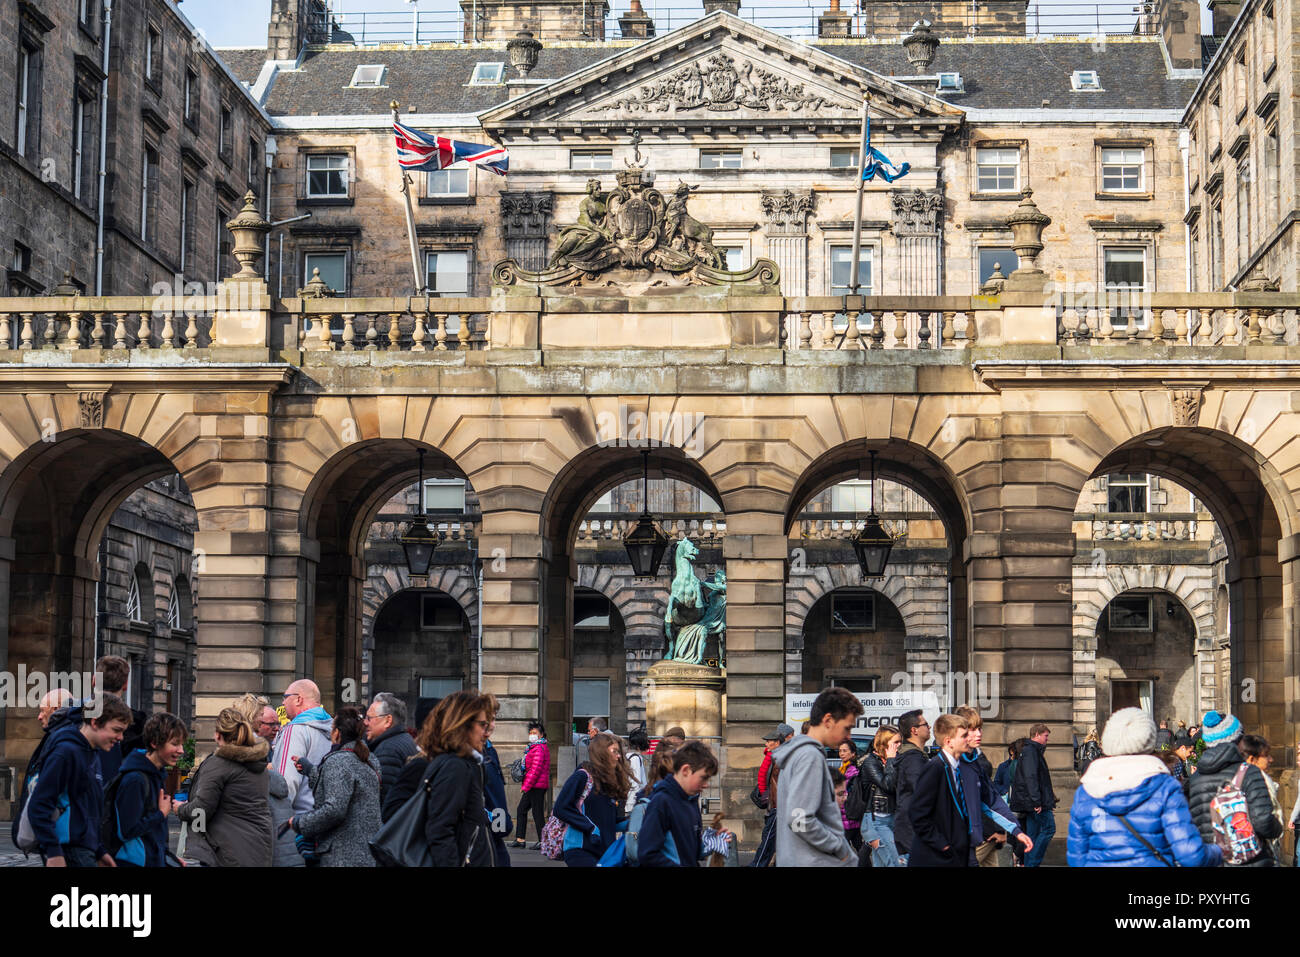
(68, 799)
(140, 807)
(671, 832)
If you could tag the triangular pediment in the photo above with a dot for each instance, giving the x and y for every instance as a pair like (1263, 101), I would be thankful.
(716, 72)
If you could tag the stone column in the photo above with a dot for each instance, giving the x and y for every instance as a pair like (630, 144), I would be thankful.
(787, 236)
(515, 666)
(917, 226)
(524, 218)
(755, 550)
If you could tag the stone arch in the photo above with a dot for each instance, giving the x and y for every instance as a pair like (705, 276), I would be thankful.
(642, 612)
(1119, 579)
(920, 618)
(384, 581)
(397, 591)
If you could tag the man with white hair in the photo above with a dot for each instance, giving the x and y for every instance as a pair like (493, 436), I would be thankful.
(52, 713)
(387, 737)
(307, 735)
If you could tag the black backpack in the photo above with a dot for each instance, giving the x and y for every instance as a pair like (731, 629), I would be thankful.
(858, 802)
(108, 833)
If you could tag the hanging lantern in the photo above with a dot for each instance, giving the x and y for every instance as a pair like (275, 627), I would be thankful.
(419, 540)
(645, 544)
(872, 544)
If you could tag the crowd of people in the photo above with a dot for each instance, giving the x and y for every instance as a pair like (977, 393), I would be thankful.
(359, 788)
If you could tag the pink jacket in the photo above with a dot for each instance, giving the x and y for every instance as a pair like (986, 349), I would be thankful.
(537, 767)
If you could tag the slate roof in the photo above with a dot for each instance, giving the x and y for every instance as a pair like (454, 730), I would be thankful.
(1020, 74)
(996, 74)
(244, 62)
(429, 80)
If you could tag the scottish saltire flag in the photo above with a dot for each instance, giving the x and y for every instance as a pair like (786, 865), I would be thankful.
(878, 164)
(428, 151)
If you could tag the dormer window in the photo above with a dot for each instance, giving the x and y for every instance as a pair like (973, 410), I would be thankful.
(369, 75)
(949, 83)
(1085, 80)
(487, 73)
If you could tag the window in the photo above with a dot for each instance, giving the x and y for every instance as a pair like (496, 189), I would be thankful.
(446, 183)
(439, 687)
(153, 55)
(844, 157)
(333, 269)
(1194, 253)
(605, 503)
(28, 120)
(133, 611)
(327, 175)
(1216, 247)
(439, 611)
(254, 165)
(448, 273)
(148, 194)
(1004, 258)
(444, 495)
(1085, 80)
(22, 261)
(853, 611)
(737, 257)
(1130, 613)
(1273, 197)
(841, 263)
(590, 699)
(591, 159)
(78, 144)
(1126, 492)
(225, 147)
(86, 12)
(997, 170)
(591, 610)
(1121, 169)
(191, 98)
(856, 685)
(1243, 213)
(719, 159)
(487, 73)
(851, 496)
(174, 611)
(1125, 281)
(368, 75)
(1130, 694)
(188, 211)
(949, 83)
(221, 244)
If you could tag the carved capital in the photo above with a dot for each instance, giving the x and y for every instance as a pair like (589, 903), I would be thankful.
(526, 215)
(916, 212)
(90, 406)
(787, 212)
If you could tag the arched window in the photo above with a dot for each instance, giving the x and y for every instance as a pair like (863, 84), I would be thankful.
(139, 595)
(133, 600)
(180, 606)
(173, 611)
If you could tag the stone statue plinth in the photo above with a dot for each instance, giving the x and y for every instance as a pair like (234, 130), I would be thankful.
(686, 695)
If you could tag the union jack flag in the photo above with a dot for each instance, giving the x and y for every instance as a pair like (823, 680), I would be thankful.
(427, 151)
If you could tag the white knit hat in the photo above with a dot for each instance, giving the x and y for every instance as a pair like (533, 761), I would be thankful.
(1129, 731)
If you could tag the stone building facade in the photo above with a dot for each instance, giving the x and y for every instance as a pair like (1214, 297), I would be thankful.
(153, 181)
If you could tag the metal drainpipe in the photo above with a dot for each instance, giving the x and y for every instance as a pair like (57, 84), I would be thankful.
(1184, 148)
(103, 151)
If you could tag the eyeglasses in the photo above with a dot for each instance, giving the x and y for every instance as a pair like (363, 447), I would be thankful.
(290, 694)
(480, 724)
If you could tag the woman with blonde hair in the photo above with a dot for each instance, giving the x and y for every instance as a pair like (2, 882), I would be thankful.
(228, 812)
(876, 775)
(593, 800)
(285, 853)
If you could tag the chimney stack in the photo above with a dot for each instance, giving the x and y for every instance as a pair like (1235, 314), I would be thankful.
(635, 24)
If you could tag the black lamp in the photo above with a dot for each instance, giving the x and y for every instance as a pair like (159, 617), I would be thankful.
(872, 545)
(419, 540)
(645, 544)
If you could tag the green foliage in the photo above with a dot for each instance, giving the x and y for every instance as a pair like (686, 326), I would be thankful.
(186, 764)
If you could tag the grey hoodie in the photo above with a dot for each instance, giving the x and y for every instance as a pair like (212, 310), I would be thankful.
(304, 737)
(809, 827)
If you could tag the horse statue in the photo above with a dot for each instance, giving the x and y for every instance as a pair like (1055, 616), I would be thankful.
(696, 609)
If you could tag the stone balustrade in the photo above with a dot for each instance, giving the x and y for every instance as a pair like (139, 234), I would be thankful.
(124, 323)
(879, 322)
(1146, 526)
(410, 325)
(1181, 319)
(391, 526)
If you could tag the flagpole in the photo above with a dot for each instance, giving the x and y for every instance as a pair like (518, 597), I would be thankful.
(410, 218)
(857, 216)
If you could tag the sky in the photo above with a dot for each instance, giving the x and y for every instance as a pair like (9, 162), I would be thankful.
(236, 23)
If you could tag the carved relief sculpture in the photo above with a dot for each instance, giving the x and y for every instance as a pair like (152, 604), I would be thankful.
(720, 87)
(787, 212)
(917, 212)
(1186, 405)
(91, 408)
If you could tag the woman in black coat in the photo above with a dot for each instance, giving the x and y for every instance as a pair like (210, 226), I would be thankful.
(451, 757)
